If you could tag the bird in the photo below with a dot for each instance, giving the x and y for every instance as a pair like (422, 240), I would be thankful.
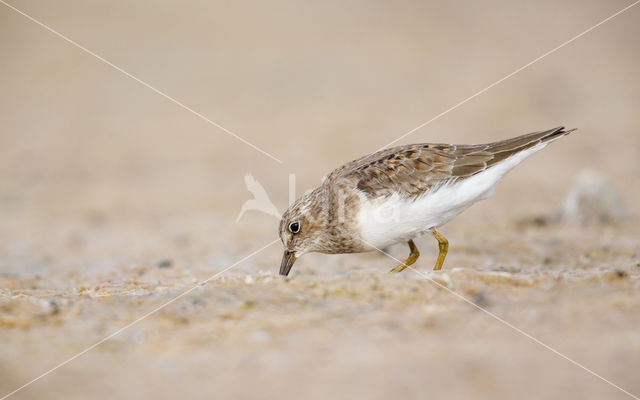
(260, 201)
(397, 194)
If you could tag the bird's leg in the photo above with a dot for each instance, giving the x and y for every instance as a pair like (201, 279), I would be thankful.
(413, 256)
(443, 245)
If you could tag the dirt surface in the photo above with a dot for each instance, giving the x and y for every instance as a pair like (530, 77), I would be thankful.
(114, 201)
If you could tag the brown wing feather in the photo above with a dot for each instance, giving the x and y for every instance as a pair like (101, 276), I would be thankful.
(413, 169)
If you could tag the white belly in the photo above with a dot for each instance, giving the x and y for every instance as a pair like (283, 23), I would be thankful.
(386, 221)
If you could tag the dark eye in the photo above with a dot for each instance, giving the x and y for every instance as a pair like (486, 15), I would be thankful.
(294, 227)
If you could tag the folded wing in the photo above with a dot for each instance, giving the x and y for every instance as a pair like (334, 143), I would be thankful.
(413, 169)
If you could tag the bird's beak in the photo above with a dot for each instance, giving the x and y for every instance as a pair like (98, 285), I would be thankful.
(288, 259)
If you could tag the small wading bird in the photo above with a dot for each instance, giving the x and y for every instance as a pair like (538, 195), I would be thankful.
(397, 194)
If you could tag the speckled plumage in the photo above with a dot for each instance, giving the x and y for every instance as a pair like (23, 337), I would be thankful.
(331, 216)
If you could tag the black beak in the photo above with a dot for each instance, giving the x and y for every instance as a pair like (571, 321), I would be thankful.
(287, 262)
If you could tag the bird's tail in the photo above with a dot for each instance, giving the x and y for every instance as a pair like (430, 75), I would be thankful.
(524, 142)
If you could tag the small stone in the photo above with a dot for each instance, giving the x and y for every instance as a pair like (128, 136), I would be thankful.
(166, 263)
(49, 306)
(620, 273)
(480, 300)
(592, 199)
(197, 301)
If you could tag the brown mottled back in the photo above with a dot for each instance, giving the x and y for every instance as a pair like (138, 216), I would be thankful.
(413, 169)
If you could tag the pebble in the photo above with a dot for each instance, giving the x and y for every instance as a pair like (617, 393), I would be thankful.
(166, 263)
(592, 199)
(49, 306)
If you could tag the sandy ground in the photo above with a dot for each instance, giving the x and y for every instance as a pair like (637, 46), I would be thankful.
(114, 201)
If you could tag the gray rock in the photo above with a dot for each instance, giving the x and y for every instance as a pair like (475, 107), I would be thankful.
(593, 200)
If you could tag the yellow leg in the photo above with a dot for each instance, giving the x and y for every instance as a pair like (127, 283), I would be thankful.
(443, 245)
(413, 256)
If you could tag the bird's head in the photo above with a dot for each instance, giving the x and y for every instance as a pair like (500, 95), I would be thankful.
(301, 229)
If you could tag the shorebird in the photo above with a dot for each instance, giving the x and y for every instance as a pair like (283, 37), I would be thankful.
(397, 194)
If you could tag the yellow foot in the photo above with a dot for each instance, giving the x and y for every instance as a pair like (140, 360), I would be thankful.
(443, 246)
(413, 256)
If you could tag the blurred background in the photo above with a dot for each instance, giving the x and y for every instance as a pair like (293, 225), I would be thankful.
(114, 199)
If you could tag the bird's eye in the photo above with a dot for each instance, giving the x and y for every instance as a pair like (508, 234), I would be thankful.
(294, 227)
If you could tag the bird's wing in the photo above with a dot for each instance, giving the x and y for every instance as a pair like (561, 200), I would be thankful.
(413, 169)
